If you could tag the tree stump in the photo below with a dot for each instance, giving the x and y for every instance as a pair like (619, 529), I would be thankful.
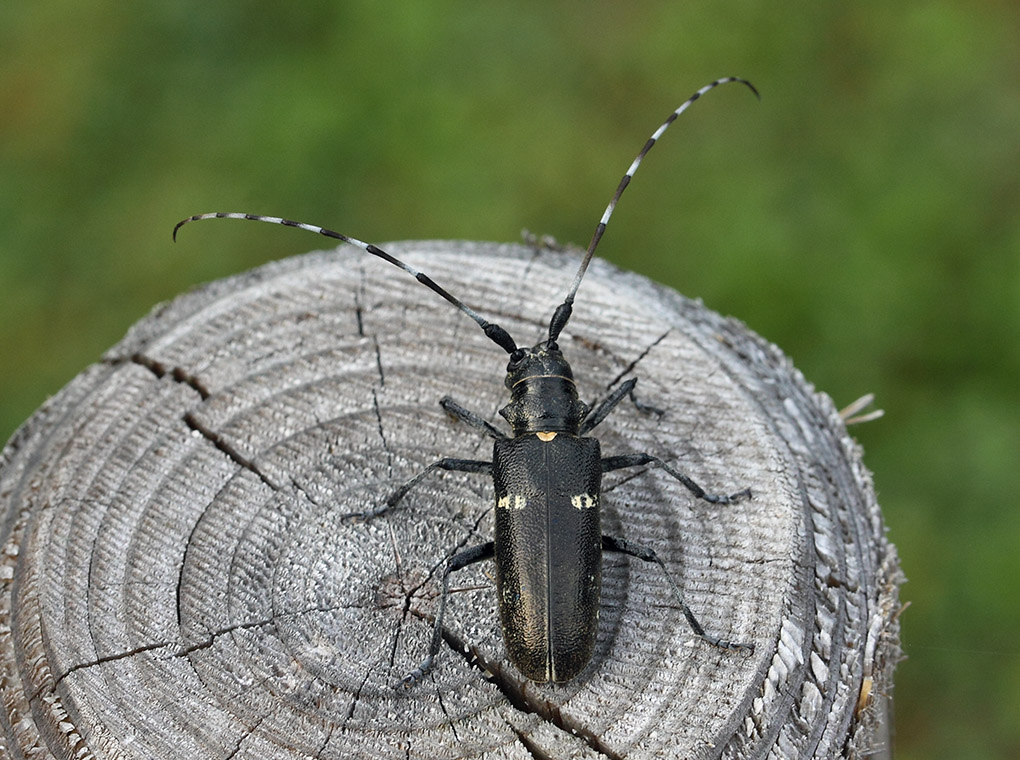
(180, 580)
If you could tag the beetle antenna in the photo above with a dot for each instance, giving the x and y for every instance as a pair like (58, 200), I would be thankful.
(495, 333)
(562, 313)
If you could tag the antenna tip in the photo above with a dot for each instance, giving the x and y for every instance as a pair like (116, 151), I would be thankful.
(179, 225)
(750, 86)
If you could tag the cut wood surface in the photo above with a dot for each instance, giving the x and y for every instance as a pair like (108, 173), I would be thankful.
(179, 579)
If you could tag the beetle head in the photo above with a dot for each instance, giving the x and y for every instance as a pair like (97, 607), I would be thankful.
(542, 360)
(542, 392)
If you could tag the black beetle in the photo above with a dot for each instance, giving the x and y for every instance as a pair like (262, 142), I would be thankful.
(547, 475)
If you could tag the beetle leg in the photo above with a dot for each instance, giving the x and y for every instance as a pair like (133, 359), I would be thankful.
(636, 460)
(454, 563)
(600, 412)
(611, 544)
(457, 465)
(456, 411)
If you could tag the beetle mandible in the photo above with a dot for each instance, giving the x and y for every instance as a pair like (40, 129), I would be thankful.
(547, 474)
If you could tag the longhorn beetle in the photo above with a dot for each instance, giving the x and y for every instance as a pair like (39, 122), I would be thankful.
(547, 475)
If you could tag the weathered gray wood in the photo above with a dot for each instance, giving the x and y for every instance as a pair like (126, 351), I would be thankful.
(177, 580)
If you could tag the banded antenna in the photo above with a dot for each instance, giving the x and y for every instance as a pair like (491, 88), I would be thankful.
(562, 313)
(494, 332)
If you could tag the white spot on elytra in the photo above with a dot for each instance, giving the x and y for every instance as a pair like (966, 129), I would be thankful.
(584, 501)
(511, 501)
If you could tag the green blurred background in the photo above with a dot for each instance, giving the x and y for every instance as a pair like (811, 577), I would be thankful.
(863, 216)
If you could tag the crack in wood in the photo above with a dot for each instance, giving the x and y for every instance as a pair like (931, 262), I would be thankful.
(301, 490)
(325, 743)
(250, 732)
(518, 695)
(450, 722)
(180, 375)
(379, 423)
(532, 748)
(235, 456)
(213, 635)
(161, 370)
(110, 658)
(378, 362)
(359, 315)
(630, 367)
(355, 700)
(191, 648)
(512, 688)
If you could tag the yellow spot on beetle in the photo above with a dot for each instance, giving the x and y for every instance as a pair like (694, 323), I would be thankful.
(546, 436)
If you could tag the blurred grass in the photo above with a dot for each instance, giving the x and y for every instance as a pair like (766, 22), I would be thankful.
(863, 216)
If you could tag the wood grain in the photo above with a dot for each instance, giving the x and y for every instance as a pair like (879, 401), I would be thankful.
(179, 579)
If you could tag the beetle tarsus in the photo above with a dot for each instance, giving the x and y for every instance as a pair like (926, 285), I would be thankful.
(409, 680)
(724, 644)
(368, 514)
(733, 498)
(641, 406)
